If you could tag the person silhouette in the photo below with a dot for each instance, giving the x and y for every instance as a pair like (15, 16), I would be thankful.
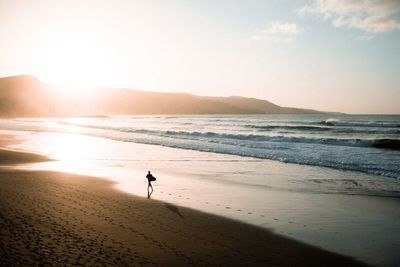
(150, 178)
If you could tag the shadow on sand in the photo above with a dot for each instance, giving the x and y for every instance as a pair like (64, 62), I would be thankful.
(174, 209)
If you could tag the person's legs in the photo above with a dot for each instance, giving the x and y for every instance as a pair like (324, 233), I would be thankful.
(148, 190)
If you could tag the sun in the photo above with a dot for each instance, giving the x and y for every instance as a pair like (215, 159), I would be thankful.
(75, 64)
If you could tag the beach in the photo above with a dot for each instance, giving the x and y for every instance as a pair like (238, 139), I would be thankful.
(54, 218)
(200, 133)
(344, 201)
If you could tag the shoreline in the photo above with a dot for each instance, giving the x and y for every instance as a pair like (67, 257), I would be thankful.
(60, 218)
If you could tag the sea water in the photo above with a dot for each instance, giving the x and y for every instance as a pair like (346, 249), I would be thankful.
(330, 181)
(362, 143)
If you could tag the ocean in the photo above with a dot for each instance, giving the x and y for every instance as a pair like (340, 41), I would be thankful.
(331, 181)
(361, 143)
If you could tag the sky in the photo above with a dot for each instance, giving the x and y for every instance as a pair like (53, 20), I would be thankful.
(331, 55)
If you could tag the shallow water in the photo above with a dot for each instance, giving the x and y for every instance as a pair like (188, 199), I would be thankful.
(363, 143)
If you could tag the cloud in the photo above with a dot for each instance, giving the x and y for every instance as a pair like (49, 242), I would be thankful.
(364, 38)
(278, 31)
(372, 16)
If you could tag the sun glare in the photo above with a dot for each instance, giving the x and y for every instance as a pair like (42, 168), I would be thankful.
(72, 153)
(74, 63)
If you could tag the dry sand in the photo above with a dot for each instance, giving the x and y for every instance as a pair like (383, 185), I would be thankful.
(53, 219)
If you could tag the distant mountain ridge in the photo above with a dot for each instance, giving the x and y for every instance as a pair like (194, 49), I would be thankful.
(25, 96)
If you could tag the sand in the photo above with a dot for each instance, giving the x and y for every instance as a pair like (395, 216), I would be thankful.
(51, 219)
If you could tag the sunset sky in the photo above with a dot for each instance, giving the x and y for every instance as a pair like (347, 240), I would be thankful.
(324, 54)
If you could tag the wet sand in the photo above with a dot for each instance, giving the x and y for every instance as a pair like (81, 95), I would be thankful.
(50, 218)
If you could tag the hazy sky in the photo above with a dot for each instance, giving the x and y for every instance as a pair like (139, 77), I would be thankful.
(336, 55)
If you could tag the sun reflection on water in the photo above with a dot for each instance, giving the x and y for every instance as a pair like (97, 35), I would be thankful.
(71, 153)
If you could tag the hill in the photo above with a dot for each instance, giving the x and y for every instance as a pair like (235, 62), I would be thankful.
(25, 96)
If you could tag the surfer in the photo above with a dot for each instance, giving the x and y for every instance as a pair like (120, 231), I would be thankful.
(150, 178)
